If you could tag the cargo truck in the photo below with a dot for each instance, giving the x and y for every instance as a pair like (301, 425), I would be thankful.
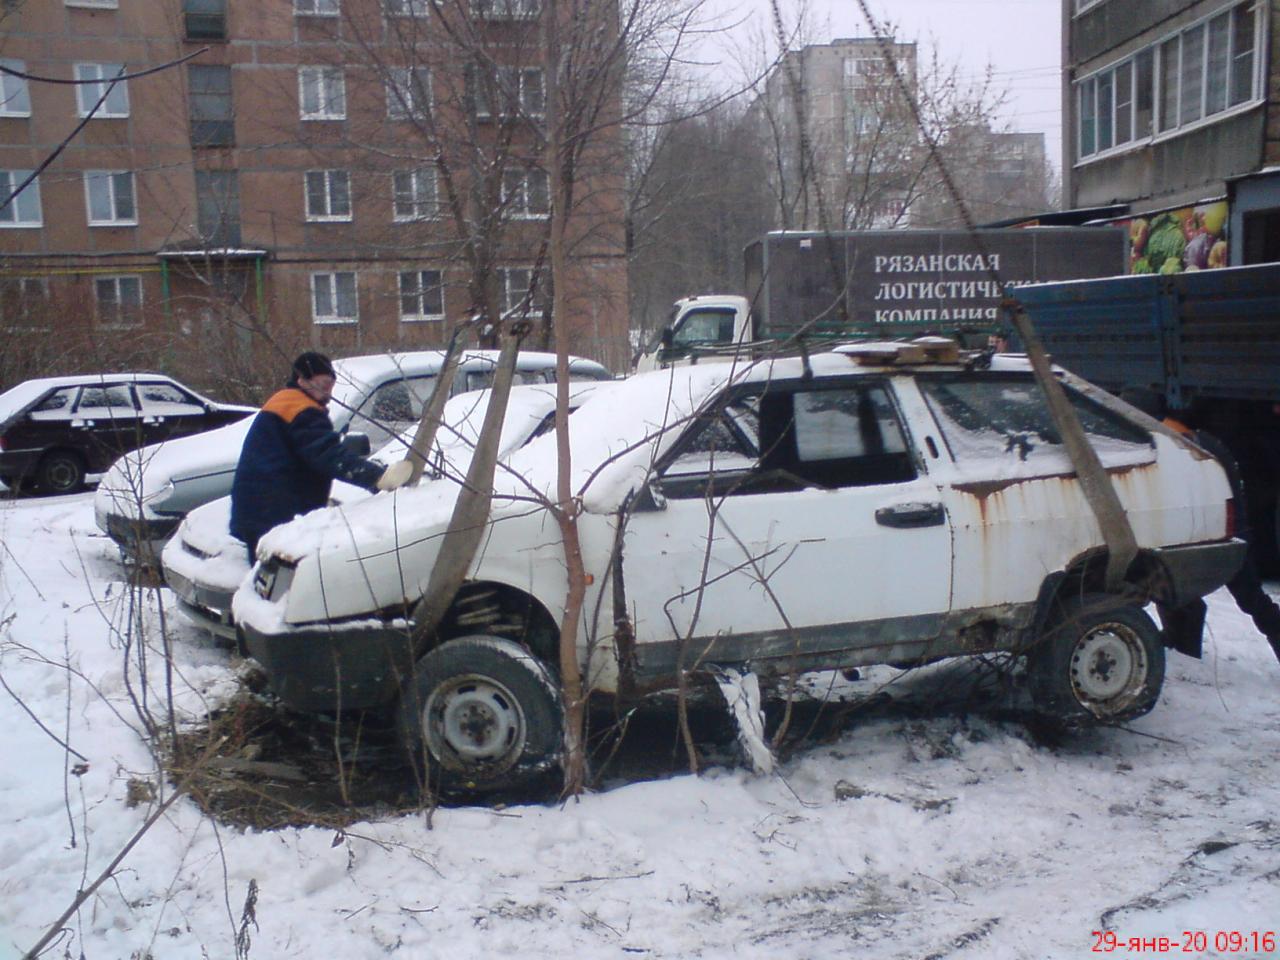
(1206, 344)
(879, 284)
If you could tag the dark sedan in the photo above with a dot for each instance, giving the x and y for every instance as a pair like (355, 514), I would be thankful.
(56, 431)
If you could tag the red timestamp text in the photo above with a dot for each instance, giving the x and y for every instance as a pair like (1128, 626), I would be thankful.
(1187, 942)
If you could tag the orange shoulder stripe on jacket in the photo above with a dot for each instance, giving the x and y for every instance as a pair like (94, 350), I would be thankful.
(288, 403)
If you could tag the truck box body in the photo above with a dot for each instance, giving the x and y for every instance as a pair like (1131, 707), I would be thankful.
(1205, 345)
(892, 283)
(1210, 334)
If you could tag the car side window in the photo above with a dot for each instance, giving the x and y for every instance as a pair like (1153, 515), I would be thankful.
(167, 399)
(392, 409)
(115, 400)
(1006, 419)
(55, 406)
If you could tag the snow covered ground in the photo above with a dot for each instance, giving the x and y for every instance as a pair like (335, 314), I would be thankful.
(909, 836)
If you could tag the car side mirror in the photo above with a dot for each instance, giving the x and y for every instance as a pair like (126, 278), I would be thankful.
(649, 497)
(356, 444)
(668, 338)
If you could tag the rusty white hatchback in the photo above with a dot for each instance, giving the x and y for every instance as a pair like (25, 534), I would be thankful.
(783, 516)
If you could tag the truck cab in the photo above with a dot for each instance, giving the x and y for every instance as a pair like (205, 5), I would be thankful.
(698, 323)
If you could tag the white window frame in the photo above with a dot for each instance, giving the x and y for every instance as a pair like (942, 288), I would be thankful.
(318, 8)
(407, 8)
(516, 193)
(513, 294)
(506, 9)
(505, 78)
(116, 106)
(418, 293)
(1080, 6)
(401, 102)
(331, 93)
(330, 279)
(94, 4)
(20, 209)
(117, 322)
(23, 320)
(424, 188)
(329, 178)
(15, 95)
(110, 178)
(1160, 132)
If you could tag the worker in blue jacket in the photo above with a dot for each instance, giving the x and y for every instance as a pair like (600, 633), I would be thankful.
(292, 455)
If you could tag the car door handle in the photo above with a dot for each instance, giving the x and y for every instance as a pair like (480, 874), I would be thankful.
(911, 515)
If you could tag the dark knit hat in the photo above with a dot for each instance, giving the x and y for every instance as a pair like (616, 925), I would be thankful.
(310, 364)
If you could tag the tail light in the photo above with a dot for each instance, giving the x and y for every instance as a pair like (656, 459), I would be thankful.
(1231, 518)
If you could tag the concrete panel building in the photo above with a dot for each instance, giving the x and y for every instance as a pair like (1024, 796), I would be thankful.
(1174, 105)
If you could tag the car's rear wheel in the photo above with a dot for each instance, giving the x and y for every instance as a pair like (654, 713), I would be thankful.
(480, 714)
(1100, 659)
(61, 471)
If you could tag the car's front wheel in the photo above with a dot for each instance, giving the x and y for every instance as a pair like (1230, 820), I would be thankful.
(61, 471)
(1100, 659)
(480, 714)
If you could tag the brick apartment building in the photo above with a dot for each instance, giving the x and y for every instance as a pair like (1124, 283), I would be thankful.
(285, 187)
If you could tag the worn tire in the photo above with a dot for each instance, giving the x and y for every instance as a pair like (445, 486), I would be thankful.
(61, 471)
(1100, 659)
(480, 714)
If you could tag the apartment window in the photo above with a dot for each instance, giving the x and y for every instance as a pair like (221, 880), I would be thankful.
(506, 9)
(408, 8)
(408, 92)
(15, 99)
(95, 79)
(119, 300)
(333, 297)
(205, 19)
(24, 209)
(209, 103)
(322, 93)
(218, 207)
(328, 194)
(315, 8)
(1193, 75)
(525, 193)
(515, 290)
(23, 303)
(421, 295)
(414, 194)
(519, 90)
(110, 198)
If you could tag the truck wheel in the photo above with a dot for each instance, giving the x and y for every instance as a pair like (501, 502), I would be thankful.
(480, 714)
(1101, 659)
(61, 471)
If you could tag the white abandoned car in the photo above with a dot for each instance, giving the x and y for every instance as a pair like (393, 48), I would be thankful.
(778, 517)
(204, 564)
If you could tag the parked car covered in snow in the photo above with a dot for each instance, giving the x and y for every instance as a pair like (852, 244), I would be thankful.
(788, 515)
(144, 496)
(56, 431)
(204, 564)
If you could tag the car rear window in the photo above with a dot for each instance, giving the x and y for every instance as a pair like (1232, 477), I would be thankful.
(1008, 418)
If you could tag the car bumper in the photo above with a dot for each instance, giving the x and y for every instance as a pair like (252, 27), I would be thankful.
(207, 607)
(19, 463)
(330, 669)
(139, 538)
(1199, 569)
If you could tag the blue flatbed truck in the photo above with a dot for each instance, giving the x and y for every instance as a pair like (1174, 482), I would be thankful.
(1208, 342)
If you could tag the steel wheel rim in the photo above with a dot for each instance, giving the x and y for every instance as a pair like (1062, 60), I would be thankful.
(61, 474)
(474, 721)
(1108, 667)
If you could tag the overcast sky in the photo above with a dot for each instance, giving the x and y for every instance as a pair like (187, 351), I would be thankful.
(1021, 39)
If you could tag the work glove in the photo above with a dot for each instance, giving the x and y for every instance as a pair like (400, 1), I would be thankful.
(395, 476)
